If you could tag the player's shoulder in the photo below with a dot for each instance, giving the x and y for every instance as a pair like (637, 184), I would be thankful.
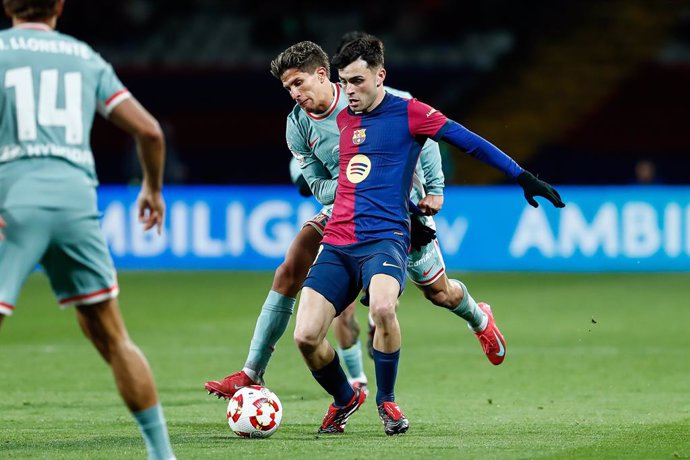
(342, 115)
(296, 118)
(398, 92)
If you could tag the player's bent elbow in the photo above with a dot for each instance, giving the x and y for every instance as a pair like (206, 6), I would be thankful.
(150, 132)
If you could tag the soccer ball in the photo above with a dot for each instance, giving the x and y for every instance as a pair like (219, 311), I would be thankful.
(254, 412)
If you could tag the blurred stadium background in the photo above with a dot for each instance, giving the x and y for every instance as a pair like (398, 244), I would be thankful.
(583, 93)
(578, 91)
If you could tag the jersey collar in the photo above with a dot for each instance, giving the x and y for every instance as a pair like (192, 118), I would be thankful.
(331, 108)
(34, 26)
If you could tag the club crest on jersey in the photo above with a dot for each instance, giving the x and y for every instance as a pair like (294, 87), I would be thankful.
(358, 168)
(359, 136)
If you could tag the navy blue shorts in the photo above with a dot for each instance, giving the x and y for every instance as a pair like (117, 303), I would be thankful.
(339, 273)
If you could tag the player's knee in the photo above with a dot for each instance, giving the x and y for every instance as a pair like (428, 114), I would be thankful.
(306, 341)
(382, 310)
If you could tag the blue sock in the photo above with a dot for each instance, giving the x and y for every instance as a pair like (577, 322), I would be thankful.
(332, 378)
(386, 365)
(270, 326)
(353, 361)
(152, 426)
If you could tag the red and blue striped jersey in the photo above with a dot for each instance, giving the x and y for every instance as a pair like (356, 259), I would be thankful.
(378, 154)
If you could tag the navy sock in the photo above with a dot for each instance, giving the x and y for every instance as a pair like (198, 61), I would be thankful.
(333, 379)
(386, 365)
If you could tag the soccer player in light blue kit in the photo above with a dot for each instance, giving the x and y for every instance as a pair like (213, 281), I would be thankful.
(51, 85)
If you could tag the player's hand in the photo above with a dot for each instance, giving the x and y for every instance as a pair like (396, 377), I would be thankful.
(3, 224)
(534, 186)
(303, 186)
(430, 205)
(420, 234)
(151, 208)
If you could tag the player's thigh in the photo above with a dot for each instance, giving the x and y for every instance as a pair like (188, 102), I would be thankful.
(335, 276)
(78, 262)
(314, 316)
(391, 262)
(290, 275)
(426, 266)
(384, 291)
(304, 247)
(26, 239)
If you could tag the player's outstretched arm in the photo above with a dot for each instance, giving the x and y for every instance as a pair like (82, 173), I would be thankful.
(485, 151)
(2, 225)
(534, 186)
(130, 116)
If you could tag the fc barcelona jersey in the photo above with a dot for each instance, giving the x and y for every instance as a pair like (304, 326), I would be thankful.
(378, 154)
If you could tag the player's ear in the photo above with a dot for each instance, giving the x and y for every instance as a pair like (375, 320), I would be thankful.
(380, 77)
(322, 74)
(59, 5)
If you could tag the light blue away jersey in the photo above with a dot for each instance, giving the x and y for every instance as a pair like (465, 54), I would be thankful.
(314, 140)
(51, 85)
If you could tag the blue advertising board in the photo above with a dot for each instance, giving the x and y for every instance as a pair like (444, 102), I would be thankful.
(625, 228)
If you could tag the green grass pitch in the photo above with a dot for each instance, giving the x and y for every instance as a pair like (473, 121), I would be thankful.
(597, 366)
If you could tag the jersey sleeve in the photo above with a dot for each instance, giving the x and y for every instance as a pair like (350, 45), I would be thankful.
(110, 91)
(478, 147)
(430, 159)
(424, 120)
(315, 173)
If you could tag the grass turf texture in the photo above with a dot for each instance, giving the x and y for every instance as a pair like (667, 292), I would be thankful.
(597, 366)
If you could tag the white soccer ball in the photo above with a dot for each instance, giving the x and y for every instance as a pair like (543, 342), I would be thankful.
(254, 412)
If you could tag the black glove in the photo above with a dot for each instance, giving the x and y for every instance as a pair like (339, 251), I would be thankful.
(420, 234)
(534, 186)
(303, 186)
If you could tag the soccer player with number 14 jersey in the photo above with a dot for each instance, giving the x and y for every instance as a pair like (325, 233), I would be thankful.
(51, 85)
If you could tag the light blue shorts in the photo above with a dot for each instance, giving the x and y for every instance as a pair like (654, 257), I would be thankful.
(70, 246)
(426, 265)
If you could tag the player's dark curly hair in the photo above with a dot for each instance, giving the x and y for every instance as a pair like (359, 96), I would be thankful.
(369, 48)
(306, 56)
(30, 10)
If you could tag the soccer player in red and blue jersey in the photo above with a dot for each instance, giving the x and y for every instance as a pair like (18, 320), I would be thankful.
(366, 242)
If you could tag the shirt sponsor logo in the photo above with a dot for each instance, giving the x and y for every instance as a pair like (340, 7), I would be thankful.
(359, 136)
(358, 168)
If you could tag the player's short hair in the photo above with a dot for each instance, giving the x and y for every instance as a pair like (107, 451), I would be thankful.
(369, 48)
(348, 37)
(306, 56)
(30, 10)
